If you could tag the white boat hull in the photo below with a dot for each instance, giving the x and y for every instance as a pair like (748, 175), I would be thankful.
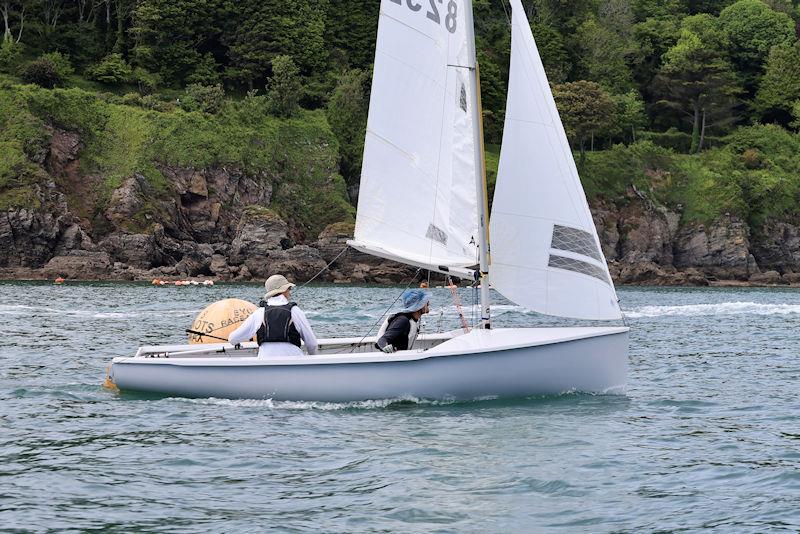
(483, 364)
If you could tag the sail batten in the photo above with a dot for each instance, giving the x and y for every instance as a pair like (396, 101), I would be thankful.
(546, 254)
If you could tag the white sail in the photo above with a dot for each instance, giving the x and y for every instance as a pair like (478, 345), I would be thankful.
(546, 255)
(417, 200)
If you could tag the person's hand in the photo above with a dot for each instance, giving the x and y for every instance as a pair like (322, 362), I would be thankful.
(389, 349)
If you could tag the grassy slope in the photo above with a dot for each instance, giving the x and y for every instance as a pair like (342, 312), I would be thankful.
(755, 174)
(299, 155)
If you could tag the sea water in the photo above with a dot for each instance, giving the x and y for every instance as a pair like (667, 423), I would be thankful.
(707, 437)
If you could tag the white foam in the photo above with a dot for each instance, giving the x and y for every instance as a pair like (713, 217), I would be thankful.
(16, 309)
(311, 405)
(722, 308)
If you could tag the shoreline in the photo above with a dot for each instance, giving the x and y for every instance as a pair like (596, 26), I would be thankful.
(45, 278)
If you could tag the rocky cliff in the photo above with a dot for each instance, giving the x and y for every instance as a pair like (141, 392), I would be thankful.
(216, 221)
(213, 222)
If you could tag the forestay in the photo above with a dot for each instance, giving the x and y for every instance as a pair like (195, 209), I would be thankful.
(546, 255)
(417, 200)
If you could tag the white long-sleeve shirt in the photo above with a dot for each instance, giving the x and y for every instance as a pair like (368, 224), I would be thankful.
(250, 326)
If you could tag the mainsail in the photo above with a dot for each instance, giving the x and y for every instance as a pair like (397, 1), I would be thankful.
(417, 201)
(546, 255)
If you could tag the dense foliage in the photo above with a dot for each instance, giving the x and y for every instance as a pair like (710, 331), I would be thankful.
(298, 156)
(688, 82)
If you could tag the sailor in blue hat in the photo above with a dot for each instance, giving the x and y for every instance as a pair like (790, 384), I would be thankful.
(400, 330)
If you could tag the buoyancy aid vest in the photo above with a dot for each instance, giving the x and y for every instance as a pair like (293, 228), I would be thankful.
(413, 331)
(278, 326)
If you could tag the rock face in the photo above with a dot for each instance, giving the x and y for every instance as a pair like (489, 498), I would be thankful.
(777, 246)
(216, 222)
(721, 250)
(646, 244)
(91, 264)
(260, 231)
(30, 238)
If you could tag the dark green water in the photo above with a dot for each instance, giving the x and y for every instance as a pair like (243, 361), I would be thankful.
(708, 437)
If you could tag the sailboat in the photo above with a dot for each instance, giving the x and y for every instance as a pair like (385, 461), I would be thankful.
(423, 201)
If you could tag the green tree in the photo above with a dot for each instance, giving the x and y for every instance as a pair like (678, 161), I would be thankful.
(347, 115)
(697, 79)
(753, 29)
(13, 14)
(205, 72)
(585, 109)
(173, 38)
(653, 37)
(658, 9)
(796, 115)
(42, 72)
(780, 86)
(629, 114)
(269, 28)
(283, 89)
(122, 14)
(146, 81)
(784, 6)
(710, 7)
(10, 53)
(607, 46)
(351, 28)
(206, 98)
(493, 97)
(112, 70)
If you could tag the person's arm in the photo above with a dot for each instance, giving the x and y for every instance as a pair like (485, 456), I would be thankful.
(396, 335)
(248, 328)
(304, 328)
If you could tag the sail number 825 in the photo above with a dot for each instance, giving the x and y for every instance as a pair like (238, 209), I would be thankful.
(433, 12)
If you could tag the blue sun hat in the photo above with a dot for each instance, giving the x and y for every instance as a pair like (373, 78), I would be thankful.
(414, 300)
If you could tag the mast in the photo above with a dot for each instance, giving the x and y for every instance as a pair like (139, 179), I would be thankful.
(480, 168)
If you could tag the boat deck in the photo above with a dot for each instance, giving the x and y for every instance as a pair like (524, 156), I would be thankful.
(342, 350)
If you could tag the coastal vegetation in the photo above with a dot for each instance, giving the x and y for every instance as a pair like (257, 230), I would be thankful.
(123, 137)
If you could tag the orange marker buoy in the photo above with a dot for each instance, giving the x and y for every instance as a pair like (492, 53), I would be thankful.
(220, 319)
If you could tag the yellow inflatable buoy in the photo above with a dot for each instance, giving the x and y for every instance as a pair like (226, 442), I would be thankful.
(220, 319)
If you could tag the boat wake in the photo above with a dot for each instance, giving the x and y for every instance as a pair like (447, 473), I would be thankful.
(722, 308)
(321, 406)
(614, 393)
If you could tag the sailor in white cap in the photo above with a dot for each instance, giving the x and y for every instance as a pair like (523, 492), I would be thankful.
(278, 324)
